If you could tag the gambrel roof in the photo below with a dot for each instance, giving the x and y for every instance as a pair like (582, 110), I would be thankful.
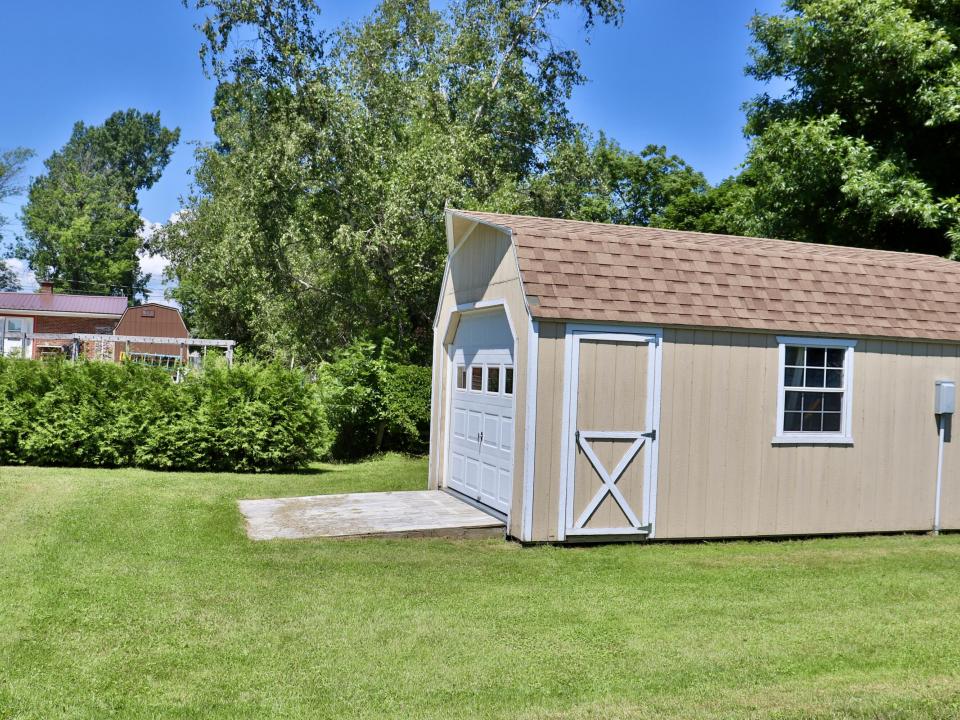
(574, 270)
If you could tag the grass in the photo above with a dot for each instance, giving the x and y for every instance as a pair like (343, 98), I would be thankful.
(135, 594)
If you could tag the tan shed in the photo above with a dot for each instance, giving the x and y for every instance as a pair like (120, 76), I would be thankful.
(152, 320)
(600, 382)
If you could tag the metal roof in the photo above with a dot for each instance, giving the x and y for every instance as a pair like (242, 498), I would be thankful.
(43, 302)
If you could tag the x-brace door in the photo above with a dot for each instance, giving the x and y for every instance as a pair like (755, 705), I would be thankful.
(609, 478)
(611, 415)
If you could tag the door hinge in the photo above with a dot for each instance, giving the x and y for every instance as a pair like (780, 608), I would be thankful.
(576, 436)
(652, 434)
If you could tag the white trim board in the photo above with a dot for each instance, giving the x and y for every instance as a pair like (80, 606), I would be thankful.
(530, 429)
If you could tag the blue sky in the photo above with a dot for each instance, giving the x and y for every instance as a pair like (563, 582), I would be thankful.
(671, 75)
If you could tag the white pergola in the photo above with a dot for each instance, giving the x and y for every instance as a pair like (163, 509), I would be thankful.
(76, 338)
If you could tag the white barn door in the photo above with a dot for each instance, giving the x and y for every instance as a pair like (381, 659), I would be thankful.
(481, 433)
(612, 430)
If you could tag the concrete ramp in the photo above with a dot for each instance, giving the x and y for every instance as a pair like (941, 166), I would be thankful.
(419, 513)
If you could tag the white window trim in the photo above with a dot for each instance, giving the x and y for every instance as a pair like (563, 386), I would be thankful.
(26, 343)
(486, 379)
(845, 436)
(483, 378)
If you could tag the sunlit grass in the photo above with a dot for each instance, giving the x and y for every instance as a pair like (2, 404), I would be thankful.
(136, 594)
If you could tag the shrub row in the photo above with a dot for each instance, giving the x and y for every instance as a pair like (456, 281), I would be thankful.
(253, 417)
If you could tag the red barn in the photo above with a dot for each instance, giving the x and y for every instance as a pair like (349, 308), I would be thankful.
(152, 320)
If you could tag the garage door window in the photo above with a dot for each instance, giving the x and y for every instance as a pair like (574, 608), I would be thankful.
(493, 380)
(461, 377)
(508, 380)
(476, 378)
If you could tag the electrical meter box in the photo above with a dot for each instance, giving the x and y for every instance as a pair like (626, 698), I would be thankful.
(945, 397)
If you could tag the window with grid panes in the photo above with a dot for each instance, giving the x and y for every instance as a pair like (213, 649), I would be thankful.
(815, 389)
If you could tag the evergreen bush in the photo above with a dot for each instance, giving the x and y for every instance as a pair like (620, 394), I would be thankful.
(252, 417)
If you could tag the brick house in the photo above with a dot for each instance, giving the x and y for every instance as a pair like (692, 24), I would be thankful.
(50, 312)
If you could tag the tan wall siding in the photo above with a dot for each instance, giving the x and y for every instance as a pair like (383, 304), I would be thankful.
(546, 486)
(484, 268)
(721, 476)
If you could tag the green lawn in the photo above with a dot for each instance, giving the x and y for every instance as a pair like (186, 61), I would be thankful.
(136, 594)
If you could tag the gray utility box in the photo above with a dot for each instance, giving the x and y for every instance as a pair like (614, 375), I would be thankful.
(945, 397)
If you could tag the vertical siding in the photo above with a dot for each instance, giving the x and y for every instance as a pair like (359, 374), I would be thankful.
(950, 499)
(165, 322)
(546, 486)
(720, 475)
(484, 268)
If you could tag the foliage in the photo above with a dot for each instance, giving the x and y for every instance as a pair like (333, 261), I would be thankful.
(863, 147)
(725, 208)
(11, 165)
(81, 221)
(375, 402)
(602, 182)
(251, 417)
(8, 278)
(317, 216)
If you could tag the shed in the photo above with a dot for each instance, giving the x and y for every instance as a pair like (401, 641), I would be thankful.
(595, 382)
(153, 320)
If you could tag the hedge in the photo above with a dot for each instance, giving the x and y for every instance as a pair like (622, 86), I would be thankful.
(252, 417)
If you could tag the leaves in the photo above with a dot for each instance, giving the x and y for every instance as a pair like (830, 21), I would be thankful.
(11, 165)
(863, 149)
(375, 401)
(317, 218)
(81, 220)
(253, 417)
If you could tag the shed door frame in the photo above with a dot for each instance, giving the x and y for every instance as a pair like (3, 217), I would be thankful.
(449, 344)
(575, 333)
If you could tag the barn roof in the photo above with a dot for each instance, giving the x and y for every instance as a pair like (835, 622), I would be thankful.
(574, 270)
(47, 302)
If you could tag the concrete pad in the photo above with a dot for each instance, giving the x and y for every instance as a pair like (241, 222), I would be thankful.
(418, 513)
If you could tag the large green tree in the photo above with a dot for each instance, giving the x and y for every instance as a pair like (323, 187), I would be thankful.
(863, 147)
(602, 182)
(317, 216)
(82, 221)
(11, 165)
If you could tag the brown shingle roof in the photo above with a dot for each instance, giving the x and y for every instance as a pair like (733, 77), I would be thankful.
(102, 305)
(575, 270)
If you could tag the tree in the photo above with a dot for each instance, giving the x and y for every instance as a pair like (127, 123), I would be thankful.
(8, 279)
(82, 222)
(11, 165)
(863, 148)
(316, 218)
(602, 182)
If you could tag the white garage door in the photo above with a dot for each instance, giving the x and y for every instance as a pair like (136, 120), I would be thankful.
(482, 410)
